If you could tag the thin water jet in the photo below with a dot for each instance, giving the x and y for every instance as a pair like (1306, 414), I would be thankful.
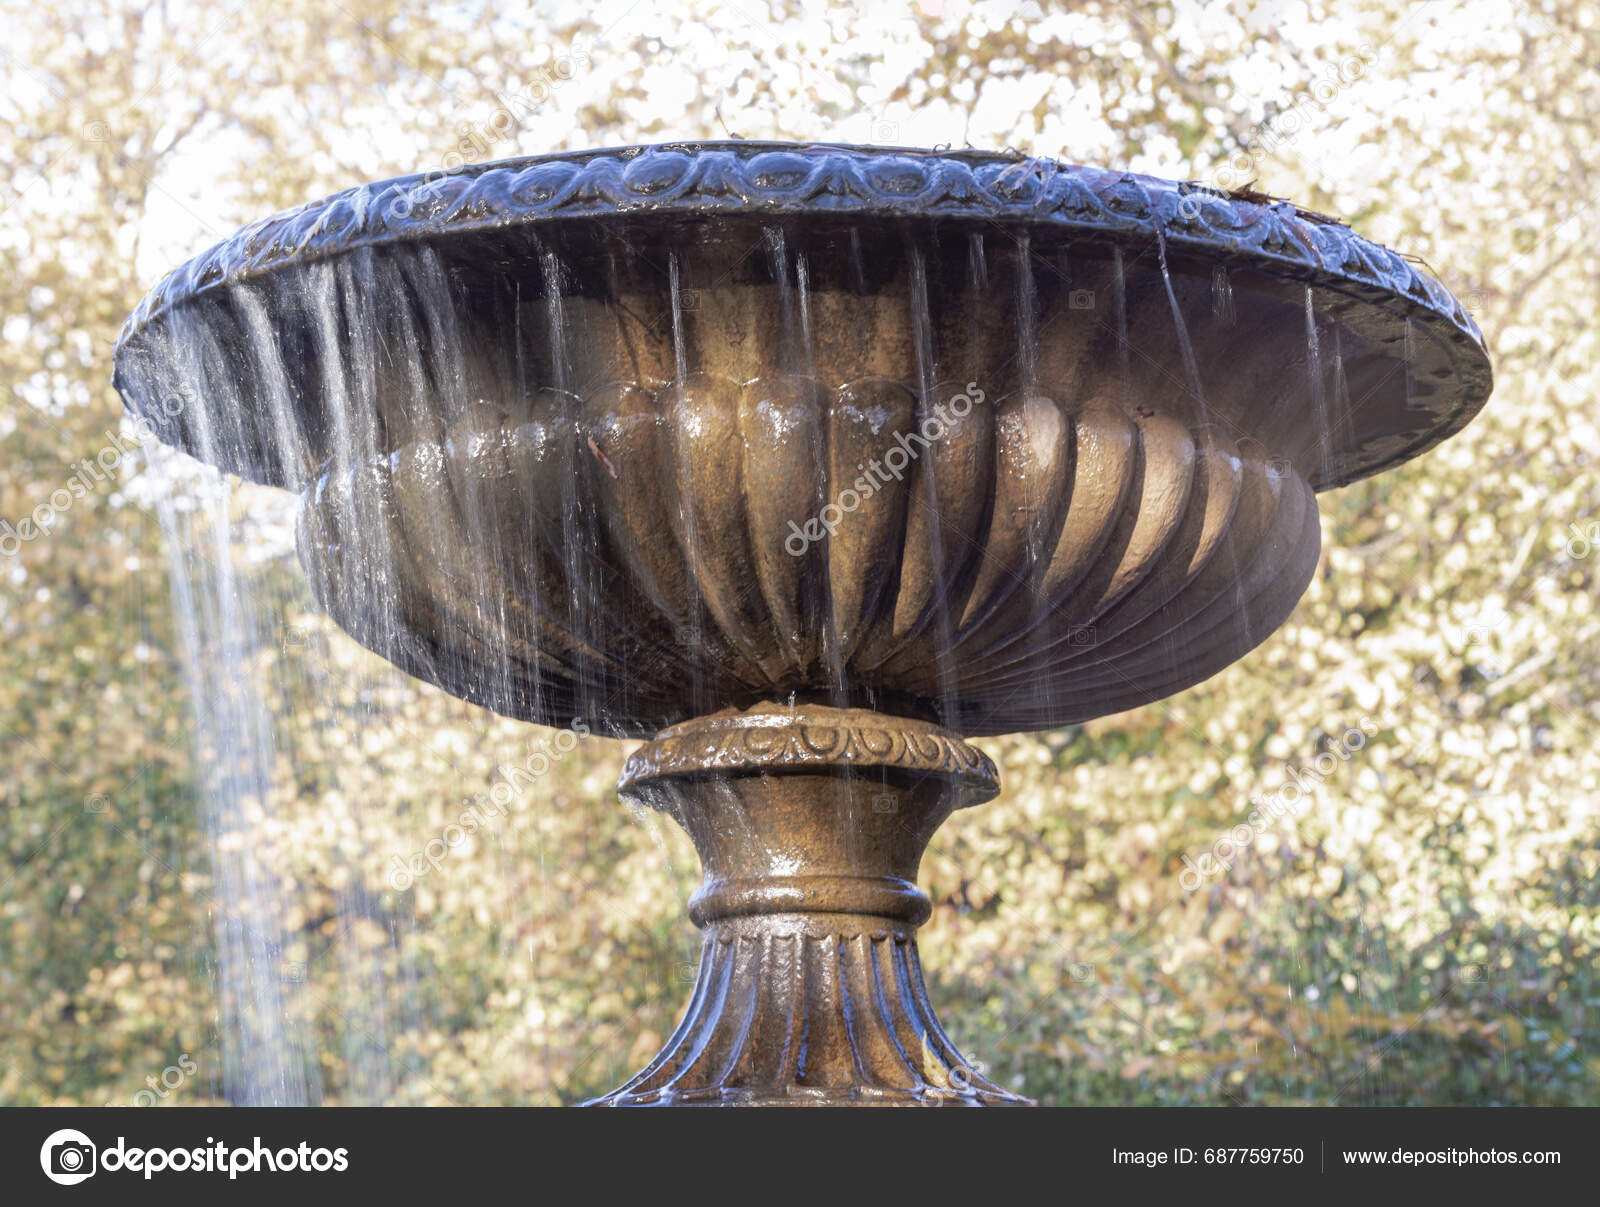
(805, 463)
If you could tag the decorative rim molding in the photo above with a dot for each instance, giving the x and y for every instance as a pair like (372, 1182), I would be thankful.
(807, 737)
(774, 178)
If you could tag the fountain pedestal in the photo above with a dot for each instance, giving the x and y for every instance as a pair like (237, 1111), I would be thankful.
(810, 823)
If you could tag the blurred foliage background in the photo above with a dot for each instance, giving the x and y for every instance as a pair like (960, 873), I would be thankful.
(1426, 932)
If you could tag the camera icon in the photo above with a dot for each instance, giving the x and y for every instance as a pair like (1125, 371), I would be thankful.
(1583, 540)
(963, 1075)
(98, 803)
(883, 133)
(72, 1157)
(1081, 972)
(1473, 974)
(1477, 633)
(1080, 299)
(1082, 636)
(687, 974)
(884, 803)
(294, 636)
(688, 299)
(67, 1157)
(293, 974)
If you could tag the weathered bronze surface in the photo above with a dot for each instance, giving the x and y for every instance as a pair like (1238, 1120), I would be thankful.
(1092, 410)
(1044, 562)
(810, 823)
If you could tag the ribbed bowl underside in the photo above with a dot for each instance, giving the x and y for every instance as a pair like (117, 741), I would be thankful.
(639, 557)
(632, 436)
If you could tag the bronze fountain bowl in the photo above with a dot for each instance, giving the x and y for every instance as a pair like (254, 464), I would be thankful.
(804, 461)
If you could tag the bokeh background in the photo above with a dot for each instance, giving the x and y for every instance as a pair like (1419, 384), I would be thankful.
(1422, 930)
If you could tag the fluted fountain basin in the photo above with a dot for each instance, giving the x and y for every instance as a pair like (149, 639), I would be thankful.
(632, 436)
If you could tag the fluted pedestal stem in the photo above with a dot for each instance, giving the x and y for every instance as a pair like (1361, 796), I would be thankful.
(810, 823)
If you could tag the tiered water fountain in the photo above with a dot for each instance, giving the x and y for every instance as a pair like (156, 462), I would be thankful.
(804, 463)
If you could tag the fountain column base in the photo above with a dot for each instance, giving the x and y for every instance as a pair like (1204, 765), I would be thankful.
(810, 823)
